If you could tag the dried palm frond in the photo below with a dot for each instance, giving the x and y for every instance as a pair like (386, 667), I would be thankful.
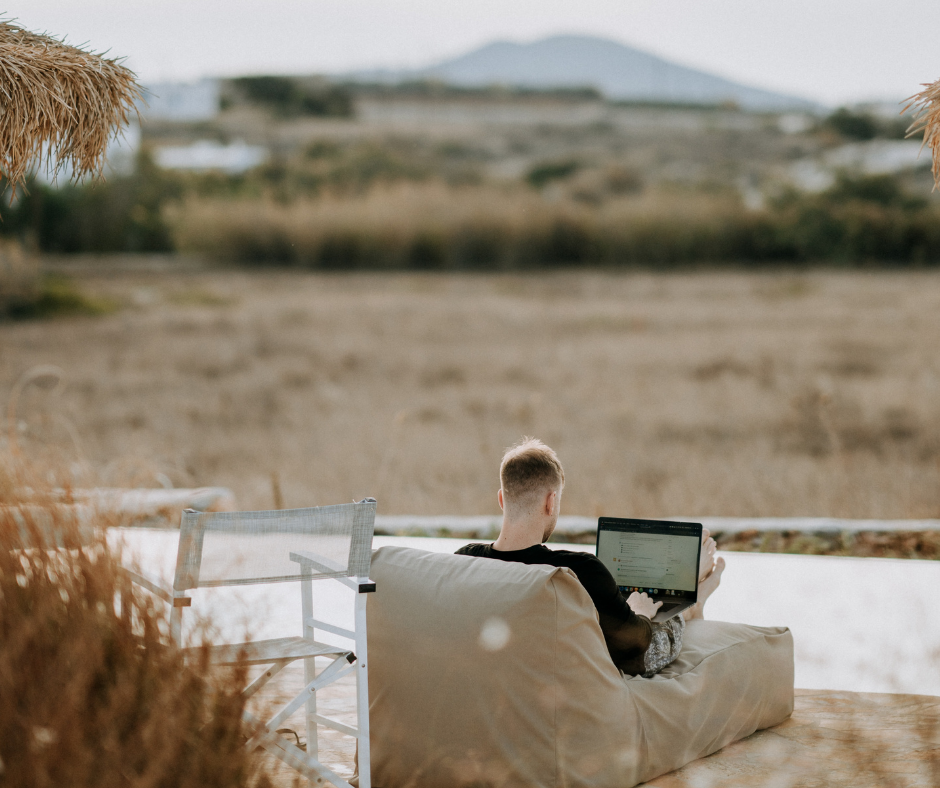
(926, 106)
(59, 104)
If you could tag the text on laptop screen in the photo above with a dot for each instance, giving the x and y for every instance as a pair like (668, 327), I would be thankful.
(649, 560)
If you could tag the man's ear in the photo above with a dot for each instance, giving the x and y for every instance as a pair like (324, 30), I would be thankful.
(499, 497)
(550, 503)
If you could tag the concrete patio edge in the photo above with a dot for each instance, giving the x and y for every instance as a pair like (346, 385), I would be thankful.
(487, 526)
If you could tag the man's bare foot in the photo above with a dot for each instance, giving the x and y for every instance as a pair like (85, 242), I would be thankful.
(706, 588)
(707, 562)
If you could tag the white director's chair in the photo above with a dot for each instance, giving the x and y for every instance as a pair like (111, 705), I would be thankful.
(245, 548)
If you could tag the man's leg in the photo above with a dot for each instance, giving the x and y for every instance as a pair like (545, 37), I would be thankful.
(706, 588)
(667, 636)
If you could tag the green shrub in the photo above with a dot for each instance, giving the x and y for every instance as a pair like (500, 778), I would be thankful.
(864, 126)
(543, 174)
(122, 214)
(881, 190)
(57, 296)
(852, 125)
(291, 96)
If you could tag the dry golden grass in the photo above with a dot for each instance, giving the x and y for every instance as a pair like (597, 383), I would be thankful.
(60, 102)
(19, 275)
(694, 394)
(431, 225)
(91, 692)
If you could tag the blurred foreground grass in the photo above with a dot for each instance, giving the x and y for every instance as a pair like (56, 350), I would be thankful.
(91, 691)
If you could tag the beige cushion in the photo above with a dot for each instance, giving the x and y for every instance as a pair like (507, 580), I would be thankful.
(484, 672)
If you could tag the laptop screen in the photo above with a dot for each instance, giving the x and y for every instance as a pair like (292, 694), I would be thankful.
(655, 556)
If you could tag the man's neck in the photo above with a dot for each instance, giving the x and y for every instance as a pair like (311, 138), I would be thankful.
(518, 535)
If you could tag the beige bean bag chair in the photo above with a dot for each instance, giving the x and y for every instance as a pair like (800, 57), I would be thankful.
(486, 673)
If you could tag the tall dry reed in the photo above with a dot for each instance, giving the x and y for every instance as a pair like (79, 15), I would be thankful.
(91, 692)
(433, 226)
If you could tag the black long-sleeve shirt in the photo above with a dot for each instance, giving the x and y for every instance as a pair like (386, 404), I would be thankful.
(628, 635)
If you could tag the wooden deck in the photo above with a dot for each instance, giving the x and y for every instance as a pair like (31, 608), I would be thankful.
(833, 740)
(337, 701)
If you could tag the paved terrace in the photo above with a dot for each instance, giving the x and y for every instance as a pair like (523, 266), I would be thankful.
(867, 635)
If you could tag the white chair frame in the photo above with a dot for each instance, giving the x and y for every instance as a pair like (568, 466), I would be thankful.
(279, 653)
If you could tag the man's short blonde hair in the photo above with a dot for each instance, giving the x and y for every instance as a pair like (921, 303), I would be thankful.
(528, 468)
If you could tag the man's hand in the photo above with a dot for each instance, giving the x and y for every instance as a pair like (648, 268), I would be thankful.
(642, 605)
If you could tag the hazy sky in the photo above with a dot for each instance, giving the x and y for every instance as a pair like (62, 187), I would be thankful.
(834, 51)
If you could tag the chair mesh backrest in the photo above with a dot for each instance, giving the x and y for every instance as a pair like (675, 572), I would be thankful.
(240, 548)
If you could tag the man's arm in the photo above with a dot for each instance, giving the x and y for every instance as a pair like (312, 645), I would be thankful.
(628, 632)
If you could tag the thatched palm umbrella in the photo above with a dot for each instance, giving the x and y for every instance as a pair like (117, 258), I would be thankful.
(926, 106)
(59, 104)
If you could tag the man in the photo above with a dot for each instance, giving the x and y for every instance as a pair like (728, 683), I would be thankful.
(531, 482)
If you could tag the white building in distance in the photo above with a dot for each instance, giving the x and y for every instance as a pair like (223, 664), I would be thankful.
(181, 101)
(206, 155)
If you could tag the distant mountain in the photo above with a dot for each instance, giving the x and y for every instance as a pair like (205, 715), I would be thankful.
(619, 71)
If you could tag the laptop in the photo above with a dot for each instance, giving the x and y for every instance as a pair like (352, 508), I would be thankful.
(658, 557)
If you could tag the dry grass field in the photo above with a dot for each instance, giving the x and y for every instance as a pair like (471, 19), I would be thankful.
(725, 393)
